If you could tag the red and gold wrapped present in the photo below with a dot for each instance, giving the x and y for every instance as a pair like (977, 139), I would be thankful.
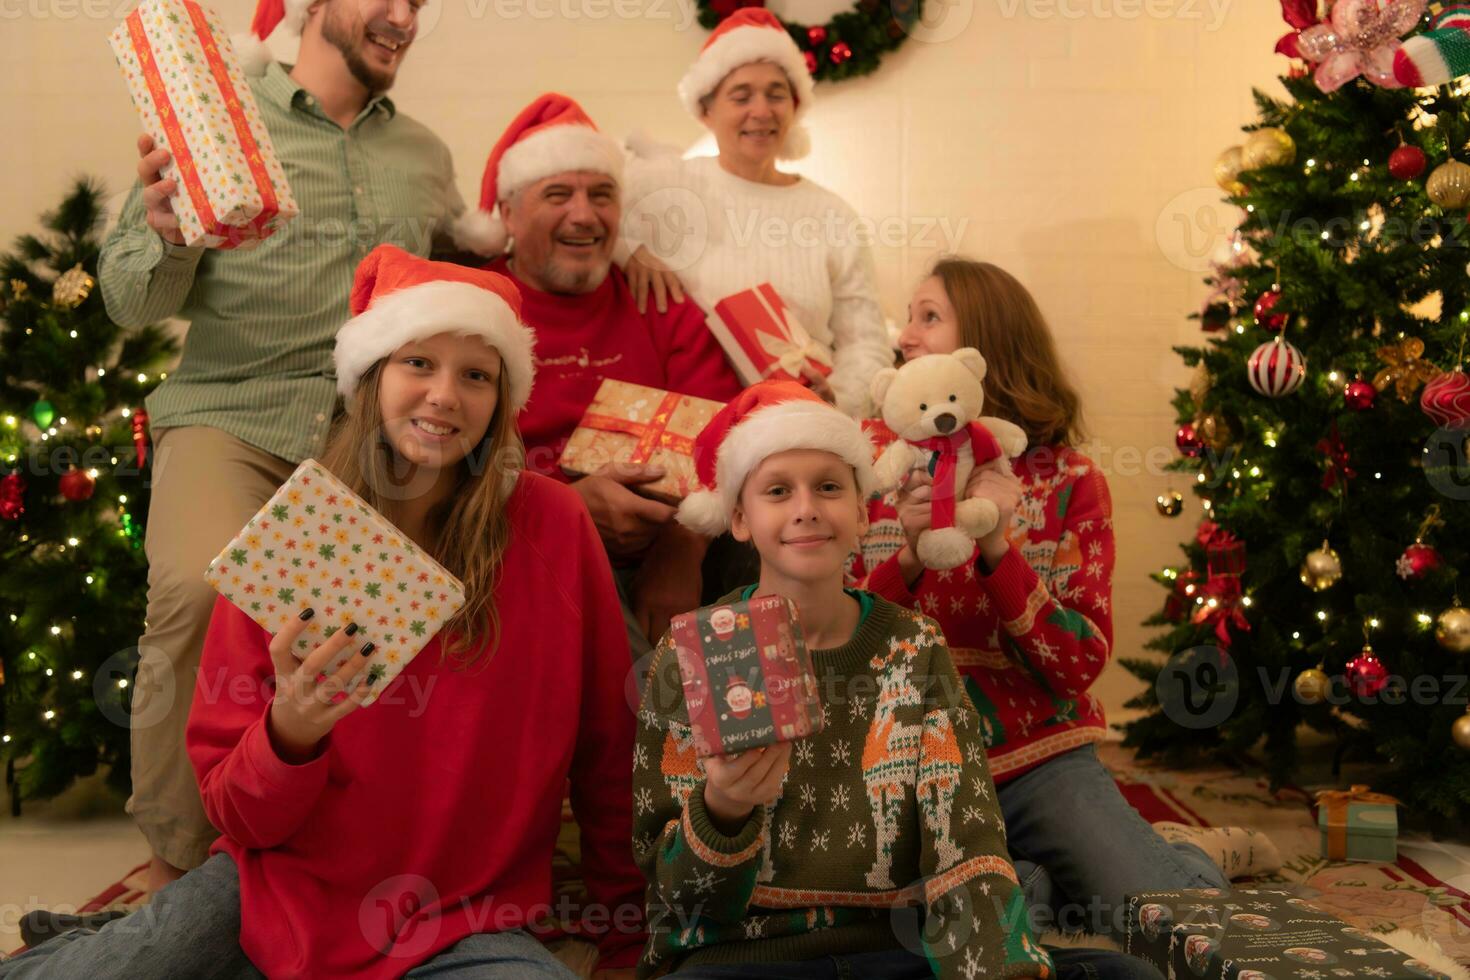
(764, 340)
(634, 425)
(747, 675)
(192, 95)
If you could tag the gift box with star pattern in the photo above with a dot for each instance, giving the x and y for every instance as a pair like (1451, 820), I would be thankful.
(747, 675)
(316, 543)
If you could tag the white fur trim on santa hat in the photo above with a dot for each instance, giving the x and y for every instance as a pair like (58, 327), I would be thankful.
(557, 150)
(776, 429)
(254, 53)
(431, 308)
(1426, 951)
(480, 232)
(742, 46)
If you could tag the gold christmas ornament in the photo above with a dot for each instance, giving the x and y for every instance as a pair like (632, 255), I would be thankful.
(1460, 731)
(1269, 147)
(1452, 629)
(1312, 686)
(1227, 171)
(1449, 185)
(72, 288)
(1405, 371)
(19, 288)
(1216, 431)
(1169, 504)
(1199, 384)
(1321, 568)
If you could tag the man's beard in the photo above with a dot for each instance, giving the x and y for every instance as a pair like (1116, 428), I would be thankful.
(581, 280)
(350, 44)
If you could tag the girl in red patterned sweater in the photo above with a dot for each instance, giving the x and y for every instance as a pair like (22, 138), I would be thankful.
(1029, 618)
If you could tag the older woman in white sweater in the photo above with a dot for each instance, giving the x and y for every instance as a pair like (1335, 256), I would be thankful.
(732, 222)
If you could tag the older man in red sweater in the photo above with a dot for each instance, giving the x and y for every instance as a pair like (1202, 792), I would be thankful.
(551, 187)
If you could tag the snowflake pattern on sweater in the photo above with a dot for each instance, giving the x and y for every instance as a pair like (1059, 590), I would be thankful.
(888, 816)
(1031, 637)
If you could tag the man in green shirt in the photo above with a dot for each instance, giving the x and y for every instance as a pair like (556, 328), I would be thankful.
(254, 393)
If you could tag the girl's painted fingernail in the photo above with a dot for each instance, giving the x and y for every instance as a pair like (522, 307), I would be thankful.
(339, 697)
(371, 680)
(307, 614)
(351, 628)
(368, 648)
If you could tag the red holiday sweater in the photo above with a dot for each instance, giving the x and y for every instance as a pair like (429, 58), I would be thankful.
(582, 339)
(433, 813)
(1031, 637)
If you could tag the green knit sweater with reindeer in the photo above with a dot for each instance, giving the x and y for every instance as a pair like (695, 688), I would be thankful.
(887, 833)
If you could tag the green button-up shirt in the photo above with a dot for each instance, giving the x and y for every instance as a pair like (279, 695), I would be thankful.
(257, 359)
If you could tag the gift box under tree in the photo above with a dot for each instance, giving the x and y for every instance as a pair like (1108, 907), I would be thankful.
(1357, 825)
(193, 98)
(635, 425)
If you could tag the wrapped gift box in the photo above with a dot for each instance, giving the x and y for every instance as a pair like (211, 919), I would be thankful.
(634, 425)
(763, 339)
(193, 98)
(316, 543)
(747, 675)
(1255, 934)
(1358, 825)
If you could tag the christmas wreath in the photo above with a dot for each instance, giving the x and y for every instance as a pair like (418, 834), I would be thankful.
(848, 45)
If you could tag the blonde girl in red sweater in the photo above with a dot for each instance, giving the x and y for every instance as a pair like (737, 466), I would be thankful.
(412, 837)
(1029, 618)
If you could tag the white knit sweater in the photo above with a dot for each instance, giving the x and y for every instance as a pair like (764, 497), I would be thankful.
(721, 234)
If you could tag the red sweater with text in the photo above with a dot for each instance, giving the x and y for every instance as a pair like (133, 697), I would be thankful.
(1031, 637)
(582, 339)
(433, 813)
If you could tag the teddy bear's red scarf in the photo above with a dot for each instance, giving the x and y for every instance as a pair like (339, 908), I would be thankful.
(945, 464)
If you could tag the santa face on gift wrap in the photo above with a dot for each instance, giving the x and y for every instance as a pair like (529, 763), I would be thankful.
(1308, 954)
(1153, 919)
(1197, 952)
(1249, 920)
(1424, 970)
(722, 621)
(801, 510)
(1253, 975)
(738, 696)
(372, 36)
(564, 229)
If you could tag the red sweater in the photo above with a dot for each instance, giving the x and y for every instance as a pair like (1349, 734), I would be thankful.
(1031, 637)
(582, 339)
(433, 813)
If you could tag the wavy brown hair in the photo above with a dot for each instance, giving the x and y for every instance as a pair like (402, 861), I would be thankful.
(1024, 382)
(470, 530)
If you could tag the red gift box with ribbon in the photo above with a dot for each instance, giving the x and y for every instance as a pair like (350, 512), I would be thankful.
(635, 425)
(764, 340)
(194, 100)
(1224, 552)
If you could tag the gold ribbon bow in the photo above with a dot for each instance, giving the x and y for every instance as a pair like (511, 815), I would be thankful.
(1405, 371)
(1335, 802)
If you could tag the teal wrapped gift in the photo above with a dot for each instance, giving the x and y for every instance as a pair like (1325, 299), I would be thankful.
(1358, 825)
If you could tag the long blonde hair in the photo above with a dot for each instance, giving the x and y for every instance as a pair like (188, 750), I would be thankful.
(1024, 383)
(470, 529)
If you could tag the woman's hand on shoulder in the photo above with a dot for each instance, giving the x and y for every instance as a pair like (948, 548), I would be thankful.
(646, 272)
(307, 701)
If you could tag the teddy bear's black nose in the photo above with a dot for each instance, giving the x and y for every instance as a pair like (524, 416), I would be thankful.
(944, 423)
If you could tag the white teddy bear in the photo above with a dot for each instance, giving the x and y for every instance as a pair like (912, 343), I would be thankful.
(933, 405)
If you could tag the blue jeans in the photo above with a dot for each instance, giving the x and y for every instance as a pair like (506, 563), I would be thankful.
(1079, 847)
(191, 928)
(900, 964)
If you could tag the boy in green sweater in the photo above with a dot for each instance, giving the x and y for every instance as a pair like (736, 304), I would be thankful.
(874, 849)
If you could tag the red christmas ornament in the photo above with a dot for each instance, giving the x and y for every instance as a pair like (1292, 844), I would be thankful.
(1417, 561)
(816, 35)
(1446, 399)
(1359, 395)
(140, 436)
(1406, 163)
(1366, 673)
(76, 485)
(1273, 322)
(12, 496)
(1180, 601)
(1188, 441)
(811, 62)
(840, 52)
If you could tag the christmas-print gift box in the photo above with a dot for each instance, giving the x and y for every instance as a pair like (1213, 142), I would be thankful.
(193, 98)
(316, 543)
(1357, 825)
(747, 675)
(1256, 934)
(763, 339)
(634, 425)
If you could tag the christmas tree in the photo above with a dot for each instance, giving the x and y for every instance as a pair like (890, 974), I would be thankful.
(73, 580)
(1324, 434)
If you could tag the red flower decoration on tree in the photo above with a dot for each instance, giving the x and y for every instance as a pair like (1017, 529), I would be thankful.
(1300, 14)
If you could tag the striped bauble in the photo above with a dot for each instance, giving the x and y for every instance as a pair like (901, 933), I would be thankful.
(1276, 368)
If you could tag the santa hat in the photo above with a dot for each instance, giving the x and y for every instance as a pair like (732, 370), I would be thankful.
(552, 135)
(287, 16)
(398, 297)
(748, 35)
(767, 418)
